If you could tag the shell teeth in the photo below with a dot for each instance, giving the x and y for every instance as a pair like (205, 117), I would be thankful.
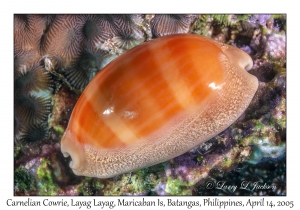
(65, 154)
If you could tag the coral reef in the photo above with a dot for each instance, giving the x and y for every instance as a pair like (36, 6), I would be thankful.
(162, 25)
(34, 133)
(56, 56)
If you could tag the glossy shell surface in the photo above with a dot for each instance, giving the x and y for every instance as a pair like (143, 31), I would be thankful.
(155, 102)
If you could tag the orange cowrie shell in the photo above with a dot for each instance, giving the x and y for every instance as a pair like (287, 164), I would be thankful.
(155, 102)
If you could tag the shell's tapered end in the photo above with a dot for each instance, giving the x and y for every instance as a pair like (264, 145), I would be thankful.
(239, 57)
(242, 63)
(71, 147)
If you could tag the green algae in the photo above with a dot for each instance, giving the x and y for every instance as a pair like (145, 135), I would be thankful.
(90, 186)
(59, 129)
(46, 185)
(23, 180)
(278, 67)
(200, 26)
(280, 119)
(264, 30)
(128, 184)
(278, 16)
(97, 184)
(142, 181)
(258, 126)
(243, 16)
(85, 189)
(18, 151)
(221, 19)
(227, 162)
(204, 23)
(178, 187)
(199, 158)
